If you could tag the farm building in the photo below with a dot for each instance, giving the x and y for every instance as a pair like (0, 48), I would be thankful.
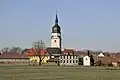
(13, 58)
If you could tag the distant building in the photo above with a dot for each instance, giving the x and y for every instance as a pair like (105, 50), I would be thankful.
(101, 55)
(86, 61)
(68, 60)
(54, 52)
(68, 52)
(34, 57)
(56, 35)
(68, 57)
(13, 58)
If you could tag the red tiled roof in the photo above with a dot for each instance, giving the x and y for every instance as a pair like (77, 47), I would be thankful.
(12, 55)
(32, 52)
(68, 51)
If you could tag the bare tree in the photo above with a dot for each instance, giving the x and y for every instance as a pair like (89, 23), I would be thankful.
(15, 49)
(5, 49)
(39, 45)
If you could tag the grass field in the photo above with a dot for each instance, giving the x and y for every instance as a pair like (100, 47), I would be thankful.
(57, 73)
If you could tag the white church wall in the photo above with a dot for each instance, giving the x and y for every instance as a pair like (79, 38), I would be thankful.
(55, 42)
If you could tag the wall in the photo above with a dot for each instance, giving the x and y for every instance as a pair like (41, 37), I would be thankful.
(14, 61)
(58, 40)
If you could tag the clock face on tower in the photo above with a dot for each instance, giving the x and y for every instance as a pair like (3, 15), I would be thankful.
(55, 28)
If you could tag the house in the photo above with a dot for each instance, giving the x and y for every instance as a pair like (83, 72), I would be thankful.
(68, 51)
(34, 58)
(68, 60)
(13, 58)
(101, 55)
(68, 57)
(86, 61)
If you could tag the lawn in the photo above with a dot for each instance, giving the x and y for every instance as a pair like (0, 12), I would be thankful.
(57, 73)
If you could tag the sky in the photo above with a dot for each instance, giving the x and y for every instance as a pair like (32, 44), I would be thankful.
(85, 24)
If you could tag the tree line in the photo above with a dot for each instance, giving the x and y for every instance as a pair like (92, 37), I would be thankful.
(13, 49)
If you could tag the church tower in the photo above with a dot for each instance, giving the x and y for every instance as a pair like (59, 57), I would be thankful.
(56, 35)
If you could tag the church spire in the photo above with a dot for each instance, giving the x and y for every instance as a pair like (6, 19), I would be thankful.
(56, 20)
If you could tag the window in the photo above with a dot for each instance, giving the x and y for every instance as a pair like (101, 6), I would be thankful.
(67, 57)
(70, 61)
(67, 61)
(60, 61)
(61, 57)
(64, 61)
(55, 28)
(54, 40)
(73, 61)
(86, 58)
(76, 57)
(76, 61)
(64, 57)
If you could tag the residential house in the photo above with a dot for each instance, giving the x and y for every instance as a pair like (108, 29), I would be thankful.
(34, 57)
(68, 51)
(101, 55)
(68, 57)
(68, 60)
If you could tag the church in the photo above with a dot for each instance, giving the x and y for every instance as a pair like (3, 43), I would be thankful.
(55, 49)
(56, 34)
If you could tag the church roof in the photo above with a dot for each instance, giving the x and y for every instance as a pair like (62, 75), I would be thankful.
(54, 51)
(56, 28)
(32, 52)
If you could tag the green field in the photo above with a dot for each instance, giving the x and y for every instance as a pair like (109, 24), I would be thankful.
(57, 73)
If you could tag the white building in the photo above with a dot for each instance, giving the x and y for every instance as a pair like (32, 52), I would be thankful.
(101, 55)
(68, 60)
(56, 35)
(86, 61)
